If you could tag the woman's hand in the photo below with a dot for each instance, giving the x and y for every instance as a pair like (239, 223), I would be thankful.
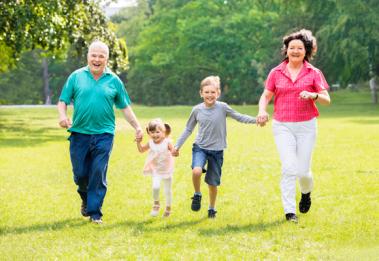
(304, 95)
(262, 118)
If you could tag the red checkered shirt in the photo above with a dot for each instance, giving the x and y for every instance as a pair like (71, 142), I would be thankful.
(288, 107)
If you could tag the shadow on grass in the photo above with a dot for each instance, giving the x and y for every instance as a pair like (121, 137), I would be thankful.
(55, 226)
(18, 135)
(143, 226)
(229, 229)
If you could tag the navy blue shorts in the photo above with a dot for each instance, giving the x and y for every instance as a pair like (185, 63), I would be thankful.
(213, 159)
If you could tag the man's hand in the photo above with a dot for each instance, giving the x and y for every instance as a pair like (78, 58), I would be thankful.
(139, 134)
(65, 123)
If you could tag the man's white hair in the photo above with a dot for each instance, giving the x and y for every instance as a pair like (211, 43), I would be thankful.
(99, 45)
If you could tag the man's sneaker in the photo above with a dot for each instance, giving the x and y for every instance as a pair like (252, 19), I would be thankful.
(196, 202)
(305, 202)
(98, 221)
(291, 217)
(211, 213)
(83, 209)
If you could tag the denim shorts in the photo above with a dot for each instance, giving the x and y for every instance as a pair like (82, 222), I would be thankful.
(213, 159)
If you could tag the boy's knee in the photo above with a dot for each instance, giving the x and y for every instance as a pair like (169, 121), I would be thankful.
(197, 171)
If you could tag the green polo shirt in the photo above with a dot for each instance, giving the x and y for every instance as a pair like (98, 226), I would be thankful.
(93, 100)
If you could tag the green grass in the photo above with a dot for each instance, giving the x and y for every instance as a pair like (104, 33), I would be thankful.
(39, 208)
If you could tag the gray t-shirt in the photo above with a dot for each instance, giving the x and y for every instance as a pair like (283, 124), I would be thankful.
(212, 125)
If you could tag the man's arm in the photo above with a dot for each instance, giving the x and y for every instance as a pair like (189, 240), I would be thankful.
(132, 119)
(64, 121)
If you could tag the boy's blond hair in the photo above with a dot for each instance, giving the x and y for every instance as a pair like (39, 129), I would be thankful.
(210, 80)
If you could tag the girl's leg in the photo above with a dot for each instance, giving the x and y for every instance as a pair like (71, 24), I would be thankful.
(286, 145)
(212, 196)
(156, 186)
(168, 193)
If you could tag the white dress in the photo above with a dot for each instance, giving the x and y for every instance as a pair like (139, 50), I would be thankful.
(159, 161)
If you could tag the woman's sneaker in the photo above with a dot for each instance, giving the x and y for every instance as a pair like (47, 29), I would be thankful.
(305, 202)
(291, 217)
(196, 202)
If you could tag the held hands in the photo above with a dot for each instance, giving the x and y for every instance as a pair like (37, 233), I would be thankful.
(65, 123)
(175, 152)
(262, 118)
(139, 135)
(305, 95)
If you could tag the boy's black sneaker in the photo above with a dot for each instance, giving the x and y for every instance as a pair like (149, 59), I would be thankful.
(83, 209)
(291, 217)
(211, 213)
(305, 202)
(196, 202)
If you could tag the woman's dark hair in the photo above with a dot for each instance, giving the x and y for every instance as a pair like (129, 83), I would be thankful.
(306, 37)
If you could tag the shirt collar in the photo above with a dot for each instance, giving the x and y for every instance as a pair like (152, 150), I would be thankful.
(283, 66)
(106, 70)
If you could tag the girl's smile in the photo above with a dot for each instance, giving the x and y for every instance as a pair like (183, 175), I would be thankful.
(157, 136)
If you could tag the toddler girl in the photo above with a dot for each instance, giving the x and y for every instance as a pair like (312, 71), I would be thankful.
(159, 163)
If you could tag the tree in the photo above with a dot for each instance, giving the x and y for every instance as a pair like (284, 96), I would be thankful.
(53, 26)
(184, 41)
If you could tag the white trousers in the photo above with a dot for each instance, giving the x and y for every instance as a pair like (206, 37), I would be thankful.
(167, 184)
(295, 142)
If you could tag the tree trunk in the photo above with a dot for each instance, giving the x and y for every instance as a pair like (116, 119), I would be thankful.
(374, 90)
(46, 86)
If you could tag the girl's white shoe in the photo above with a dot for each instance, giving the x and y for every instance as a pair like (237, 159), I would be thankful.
(155, 211)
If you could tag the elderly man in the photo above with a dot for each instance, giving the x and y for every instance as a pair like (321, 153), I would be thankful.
(93, 89)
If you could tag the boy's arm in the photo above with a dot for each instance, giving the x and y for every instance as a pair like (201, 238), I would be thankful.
(244, 118)
(191, 123)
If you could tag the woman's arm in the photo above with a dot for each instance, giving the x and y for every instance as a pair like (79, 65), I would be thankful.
(322, 97)
(265, 99)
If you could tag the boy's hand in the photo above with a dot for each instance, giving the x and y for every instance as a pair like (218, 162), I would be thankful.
(175, 152)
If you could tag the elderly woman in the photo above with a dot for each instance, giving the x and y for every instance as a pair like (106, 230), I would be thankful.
(297, 86)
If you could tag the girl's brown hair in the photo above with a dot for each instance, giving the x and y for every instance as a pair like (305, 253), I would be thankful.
(157, 123)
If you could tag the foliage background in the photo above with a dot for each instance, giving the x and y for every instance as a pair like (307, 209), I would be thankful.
(173, 44)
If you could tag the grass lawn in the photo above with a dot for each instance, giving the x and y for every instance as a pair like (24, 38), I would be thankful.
(39, 207)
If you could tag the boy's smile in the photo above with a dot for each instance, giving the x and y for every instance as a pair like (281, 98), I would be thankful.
(210, 94)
